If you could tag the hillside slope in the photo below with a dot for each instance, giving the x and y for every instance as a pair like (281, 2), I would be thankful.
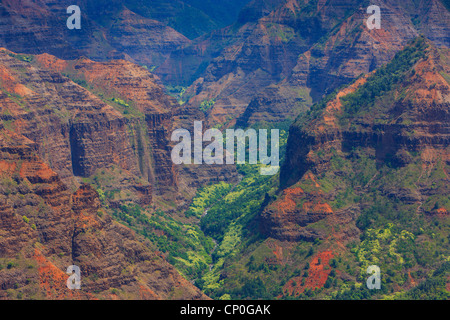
(364, 182)
(271, 68)
(45, 228)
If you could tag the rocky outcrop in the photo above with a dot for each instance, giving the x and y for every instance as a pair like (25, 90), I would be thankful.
(146, 110)
(73, 129)
(103, 119)
(317, 275)
(276, 66)
(423, 111)
(150, 116)
(406, 125)
(77, 131)
(45, 228)
(286, 218)
(109, 31)
(145, 33)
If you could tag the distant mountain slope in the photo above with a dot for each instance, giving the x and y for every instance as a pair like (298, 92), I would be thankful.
(192, 18)
(300, 51)
(108, 30)
(138, 30)
(272, 52)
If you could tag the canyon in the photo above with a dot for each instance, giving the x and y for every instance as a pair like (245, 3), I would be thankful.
(60, 228)
(87, 178)
(121, 125)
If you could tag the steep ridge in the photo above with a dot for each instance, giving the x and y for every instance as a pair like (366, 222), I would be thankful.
(109, 30)
(45, 228)
(74, 131)
(364, 182)
(55, 113)
(146, 109)
(150, 115)
(302, 50)
(110, 115)
(383, 127)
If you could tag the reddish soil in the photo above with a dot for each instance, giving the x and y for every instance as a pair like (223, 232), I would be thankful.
(319, 269)
(53, 281)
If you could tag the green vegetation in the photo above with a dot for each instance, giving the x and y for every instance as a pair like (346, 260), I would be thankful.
(127, 108)
(385, 78)
(284, 33)
(404, 238)
(185, 245)
(207, 104)
(178, 92)
(206, 197)
(120, 102)
(433, 288)
(22, 57)
(377, 85)
(244, 201)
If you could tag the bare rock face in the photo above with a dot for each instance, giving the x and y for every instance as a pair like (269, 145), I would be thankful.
(109, 31)
(110, 115)
(293, 211)
(151, 116)
(282, 54)
(45, 229)
(276, 66)
(145, 107)
(73, 129)
(76, 130)
(343, 147)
